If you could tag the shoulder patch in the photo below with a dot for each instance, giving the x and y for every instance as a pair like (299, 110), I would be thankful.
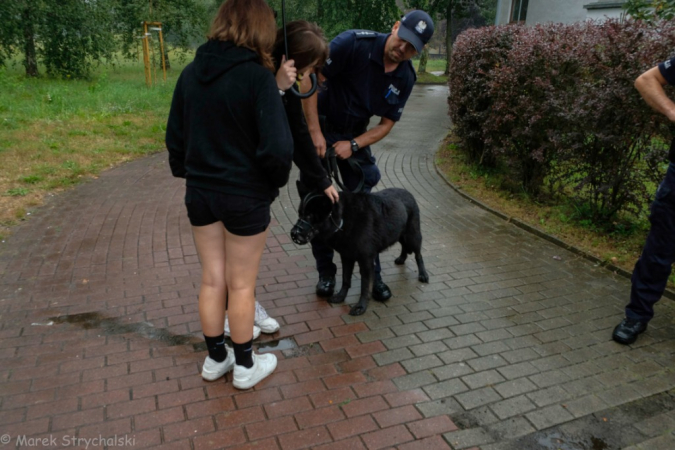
(364, 34)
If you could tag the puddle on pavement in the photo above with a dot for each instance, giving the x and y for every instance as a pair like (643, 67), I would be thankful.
(598, 444)
(279, 344)
(111, 326)
(556, 441)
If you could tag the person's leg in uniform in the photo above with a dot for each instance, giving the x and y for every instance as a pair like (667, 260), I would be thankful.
(654, 266)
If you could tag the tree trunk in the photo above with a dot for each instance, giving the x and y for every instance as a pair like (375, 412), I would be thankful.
(423, 60)
(448, 54)
(30, 57)
(448, 36)
(166, 57)
(358, 19)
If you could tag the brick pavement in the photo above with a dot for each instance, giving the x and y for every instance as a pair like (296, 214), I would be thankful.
(506, 347)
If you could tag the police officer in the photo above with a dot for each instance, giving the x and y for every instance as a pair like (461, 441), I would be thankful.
(367, 74)
(653, 268)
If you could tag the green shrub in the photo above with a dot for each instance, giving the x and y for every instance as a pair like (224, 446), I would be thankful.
(555, 105)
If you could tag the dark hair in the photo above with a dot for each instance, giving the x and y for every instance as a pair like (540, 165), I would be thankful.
(249, 24)
(306, 44)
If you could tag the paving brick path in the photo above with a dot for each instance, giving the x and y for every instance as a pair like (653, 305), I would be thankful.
(506, 347)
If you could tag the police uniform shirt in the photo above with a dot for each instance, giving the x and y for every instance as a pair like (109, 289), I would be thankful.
(667, 69)
(357, 87)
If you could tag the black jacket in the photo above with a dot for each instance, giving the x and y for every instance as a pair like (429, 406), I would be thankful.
(304, 155)
(227, 129)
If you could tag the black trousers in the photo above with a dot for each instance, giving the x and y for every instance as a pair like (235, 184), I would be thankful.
(652, 270)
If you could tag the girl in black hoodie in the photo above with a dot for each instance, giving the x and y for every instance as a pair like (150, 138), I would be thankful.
(228, 136)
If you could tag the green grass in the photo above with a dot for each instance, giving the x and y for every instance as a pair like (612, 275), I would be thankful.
(433, 65)
(112, 92)
(427, 78)
(56, 133)
(618, 243)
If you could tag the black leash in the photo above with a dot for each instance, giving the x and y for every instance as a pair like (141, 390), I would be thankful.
(334, 171)
(312, 76)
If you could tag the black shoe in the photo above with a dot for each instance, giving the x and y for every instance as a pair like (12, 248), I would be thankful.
(326, 285)
(381, 291)
(628, 330)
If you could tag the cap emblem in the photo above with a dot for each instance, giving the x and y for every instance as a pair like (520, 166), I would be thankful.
(421, 26)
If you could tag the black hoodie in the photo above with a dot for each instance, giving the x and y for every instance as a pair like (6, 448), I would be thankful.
(227, 129)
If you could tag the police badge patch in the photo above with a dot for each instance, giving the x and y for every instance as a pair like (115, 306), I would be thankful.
(421, 26)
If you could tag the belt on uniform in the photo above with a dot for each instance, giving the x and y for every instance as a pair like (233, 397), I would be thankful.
(355, 129)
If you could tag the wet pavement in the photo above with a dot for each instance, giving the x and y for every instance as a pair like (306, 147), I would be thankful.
(506, 348)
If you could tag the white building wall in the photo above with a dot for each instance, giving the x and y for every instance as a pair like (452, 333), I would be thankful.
(503, 11)
(560, 11)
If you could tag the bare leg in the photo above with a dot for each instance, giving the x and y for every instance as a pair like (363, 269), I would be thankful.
(242, 262)
(210, 242)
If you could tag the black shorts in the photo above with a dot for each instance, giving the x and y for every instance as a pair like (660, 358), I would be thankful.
(243, 216)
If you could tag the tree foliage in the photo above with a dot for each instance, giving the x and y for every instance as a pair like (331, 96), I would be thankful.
(70, 37)
(66, 36)
(19, 20)
(650, 10)
(184, 22)
(10, 17)
(458, 14)
(74, 36)
(336, 16)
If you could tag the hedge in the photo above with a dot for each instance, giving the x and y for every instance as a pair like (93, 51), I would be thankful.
(555, 106)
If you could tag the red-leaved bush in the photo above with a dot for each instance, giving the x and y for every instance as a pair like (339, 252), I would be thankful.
(555, 104)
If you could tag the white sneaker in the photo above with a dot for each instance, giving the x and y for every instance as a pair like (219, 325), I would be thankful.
(213, 370)
(263, 365)
(256, 330)
(267, 324)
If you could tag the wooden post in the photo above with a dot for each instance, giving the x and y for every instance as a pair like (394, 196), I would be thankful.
(149, 52)
(146, 55)
(153, 69)
(161, 49)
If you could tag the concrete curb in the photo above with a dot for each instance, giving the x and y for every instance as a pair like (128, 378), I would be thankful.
(529, 228)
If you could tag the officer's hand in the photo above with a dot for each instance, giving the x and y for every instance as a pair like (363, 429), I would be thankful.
(287, 74)
(343, 149)
(319, 142)
(332, 194)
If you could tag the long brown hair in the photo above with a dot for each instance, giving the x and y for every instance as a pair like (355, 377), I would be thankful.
(246, 23)
(306, 44)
